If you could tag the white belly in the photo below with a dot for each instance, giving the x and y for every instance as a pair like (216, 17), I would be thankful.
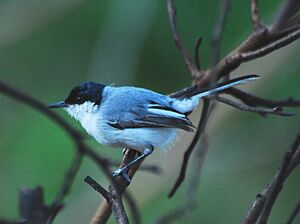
(136, 138)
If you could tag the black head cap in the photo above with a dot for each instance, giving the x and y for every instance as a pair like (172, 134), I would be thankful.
(88, 91)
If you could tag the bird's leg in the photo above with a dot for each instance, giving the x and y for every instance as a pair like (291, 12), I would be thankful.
(123, 169)
(124, 151)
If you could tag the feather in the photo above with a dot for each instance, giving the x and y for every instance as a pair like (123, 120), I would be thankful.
(154, 116)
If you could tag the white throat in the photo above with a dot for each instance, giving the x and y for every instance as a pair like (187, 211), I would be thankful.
(86, 114)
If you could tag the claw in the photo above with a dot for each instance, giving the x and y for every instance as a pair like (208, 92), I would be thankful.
(117, 172)
(124, 151)
(124, 173)
(126, 177)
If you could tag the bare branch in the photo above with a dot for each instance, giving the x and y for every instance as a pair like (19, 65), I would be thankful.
(289, 8)
(66, 185)
(190, 201)
(113, 198)
(136, 216)
(261, 111)
(224, 7)
(253, 100)
(188, 152)
(37, 105)
(255, 210)
(264, 202)
(5, 221)
(294, 214)
(97, 187)
(277, 44)
(82, 148)
(197, 50)
(184, 51)
(104, 210)
(251, 49)
(285, 170)
(32, 206)
(255, 16)
(219, 27)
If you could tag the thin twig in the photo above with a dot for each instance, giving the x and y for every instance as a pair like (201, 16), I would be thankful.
(224, 7)
(264, 202)
(104, 210)
(5, 221)
(285, 170)
(289, 38)
(97, 187)
(82, 148)
(294, 214)
(255, 16)
(197, 53)
(176, 37)
(135, 212)
(253, 100)
(262, 111)
(188, 152)
(289, 8)
(37, 105)
(216, 37)
(255, 46)
(66, 185)
(113, 198)
(190, 201)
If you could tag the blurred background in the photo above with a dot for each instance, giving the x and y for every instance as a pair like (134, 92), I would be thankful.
(47, 47)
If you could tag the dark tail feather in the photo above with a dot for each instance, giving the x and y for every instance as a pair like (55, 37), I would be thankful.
(198, 93)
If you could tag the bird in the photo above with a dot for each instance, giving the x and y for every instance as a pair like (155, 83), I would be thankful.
(136, 118)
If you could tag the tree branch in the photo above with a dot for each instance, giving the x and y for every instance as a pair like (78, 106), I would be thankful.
(289, 8)
(294, 214)
(113, 198)
(262, 111)
(252, 100)
(179, 44)
(255, 16)
(104, 210)
(224, 7)
(265, 200)
(188, 152)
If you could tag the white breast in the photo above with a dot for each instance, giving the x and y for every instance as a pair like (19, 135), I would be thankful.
(136, 138)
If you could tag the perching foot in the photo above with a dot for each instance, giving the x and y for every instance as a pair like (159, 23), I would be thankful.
(124, 173)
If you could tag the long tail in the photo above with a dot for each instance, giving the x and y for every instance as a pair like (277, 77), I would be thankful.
(224, 85)
(187, 102)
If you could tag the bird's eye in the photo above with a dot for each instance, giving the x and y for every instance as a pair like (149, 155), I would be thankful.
(80, 99)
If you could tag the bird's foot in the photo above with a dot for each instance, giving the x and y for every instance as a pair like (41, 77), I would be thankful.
(124, 151)
(124, 173)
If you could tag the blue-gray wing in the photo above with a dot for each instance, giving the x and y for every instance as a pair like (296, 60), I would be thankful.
(154, 118)
(145, 109)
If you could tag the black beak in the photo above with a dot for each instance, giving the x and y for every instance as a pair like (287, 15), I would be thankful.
(61, 104)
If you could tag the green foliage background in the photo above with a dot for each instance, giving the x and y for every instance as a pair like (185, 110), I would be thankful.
(47, 47)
